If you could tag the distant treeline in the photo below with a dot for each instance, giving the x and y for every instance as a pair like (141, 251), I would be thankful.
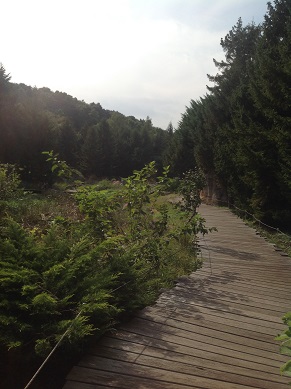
(97, 142)
(239, 133)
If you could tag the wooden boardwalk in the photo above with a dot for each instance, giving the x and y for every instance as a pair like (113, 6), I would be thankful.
(214, 330)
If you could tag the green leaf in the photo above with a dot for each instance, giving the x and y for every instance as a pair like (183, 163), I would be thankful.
(285, 350)
(44, 302)
(287, 319)
(287, 316)
(14, 344)
(282, 337)
(286, 369)
(287, 342)
(42, 347)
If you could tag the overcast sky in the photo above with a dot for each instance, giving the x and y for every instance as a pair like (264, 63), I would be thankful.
(138, 57)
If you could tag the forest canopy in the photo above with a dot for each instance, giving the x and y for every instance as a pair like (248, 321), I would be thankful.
(239, 133)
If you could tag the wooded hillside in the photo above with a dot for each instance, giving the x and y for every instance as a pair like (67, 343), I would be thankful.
(98, 142)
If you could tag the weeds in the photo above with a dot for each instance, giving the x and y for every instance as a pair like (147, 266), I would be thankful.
(96, 256)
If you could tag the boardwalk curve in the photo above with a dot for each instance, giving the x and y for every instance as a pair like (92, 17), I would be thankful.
(214, 330)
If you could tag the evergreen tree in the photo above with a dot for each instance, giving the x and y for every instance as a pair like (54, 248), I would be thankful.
(4, 80)
(240, 132)
(89, 152)
(104, 150)
(271, 94)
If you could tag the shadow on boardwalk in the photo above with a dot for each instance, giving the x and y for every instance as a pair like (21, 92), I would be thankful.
(214, 330)
(235, 254)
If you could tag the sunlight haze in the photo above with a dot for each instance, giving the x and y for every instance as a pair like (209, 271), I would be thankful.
(141, 58)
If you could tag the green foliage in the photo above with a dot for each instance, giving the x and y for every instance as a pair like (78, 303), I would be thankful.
(80, 275)
(36, 211)
(190, 187)
(106, 184)
(100, 207)
(239, 133)
(9, 181)
(137, 197)
(285, 339)
(4, 77)
(62, 169)
(39, 288)
(279, 239)
(98, 142)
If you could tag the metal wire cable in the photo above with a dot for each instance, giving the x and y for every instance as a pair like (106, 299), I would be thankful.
(79, 313)
(61, 339)
(51, 353)
(253, 216)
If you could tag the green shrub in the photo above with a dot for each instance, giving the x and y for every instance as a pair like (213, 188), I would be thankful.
(81, 275)
(45, 282)
(9, 181)
(285, 339)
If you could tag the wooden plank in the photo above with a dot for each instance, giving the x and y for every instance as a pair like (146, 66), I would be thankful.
(235, 292)
(213, 344)
(252, 331)
(218, 333)
(261, 275)
(82, 385)
(113, 346)
(222, 294)
(119, 379)
(160, 371)
(185, 347)
(205, 326)
(241, 288)
(215, 329)
(224, 280)
(185, 308)
(155, 357)
(224, 306)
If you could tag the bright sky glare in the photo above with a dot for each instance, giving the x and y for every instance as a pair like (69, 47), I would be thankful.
(138, 57)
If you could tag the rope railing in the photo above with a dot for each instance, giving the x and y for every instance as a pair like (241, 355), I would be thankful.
(61, 339)
(67, 332)
(64, 335)
(123, 285)
(245, 212)
(52, 351)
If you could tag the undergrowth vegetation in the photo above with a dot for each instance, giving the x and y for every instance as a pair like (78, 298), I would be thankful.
(281, 241)
(273, 235)
(80, 262)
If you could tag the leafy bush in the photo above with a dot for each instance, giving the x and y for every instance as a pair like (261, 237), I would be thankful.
(46, 281)
(65, 175)
(285, 339)
(173, 184)
(105, 184)
(9, 181)
(80, 275)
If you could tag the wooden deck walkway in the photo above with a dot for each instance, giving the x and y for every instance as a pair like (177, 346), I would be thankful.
(214, 330)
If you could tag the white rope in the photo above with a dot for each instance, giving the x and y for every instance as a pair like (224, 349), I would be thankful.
(60, 341)
(67, 331)
(253, 216)
(51, 353)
